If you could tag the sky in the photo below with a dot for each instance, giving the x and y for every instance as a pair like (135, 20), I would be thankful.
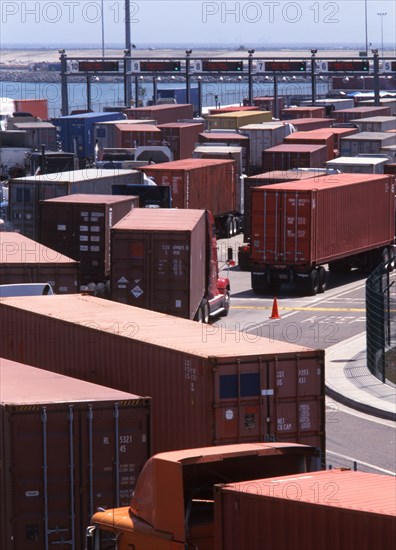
(267, 23)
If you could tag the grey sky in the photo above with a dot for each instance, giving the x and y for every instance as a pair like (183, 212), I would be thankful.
(189, 22)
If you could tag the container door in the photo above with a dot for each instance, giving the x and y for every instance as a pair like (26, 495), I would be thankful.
(46, 479)
(90, 226)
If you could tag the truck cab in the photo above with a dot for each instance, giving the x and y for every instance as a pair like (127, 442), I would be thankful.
(173, 504)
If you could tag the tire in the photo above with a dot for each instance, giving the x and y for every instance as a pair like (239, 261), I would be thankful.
(322, 273)
(227, 299)
(313, 283)
(205, 311)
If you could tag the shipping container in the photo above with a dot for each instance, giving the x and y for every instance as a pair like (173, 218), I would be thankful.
(25, 193)
(159, 260)
(286, 156)
(376, 123)
(38, 134)
(390, 168)
(330, 510)
(344, 220)
(228, 139)
(162, 113)
(263, 136)
(67, 448)
(389, 102)
(225, 152)
(36, 107)
(346, 115)
(76, 132)
(79, 226)
(232, 109)
(25, 261)
(49, 162)
(337, 134)
(306, 124)
(359, 165)
(203, 184)
(208, 388)
(181, 137)
(233, 121)
(291, 113)
(137, 135)
(104, 132)
(314, 137)
(268, 103)
(334, 103)
(365, 142)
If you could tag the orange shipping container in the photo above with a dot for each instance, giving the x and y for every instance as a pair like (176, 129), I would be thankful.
(315, 137)
(136, 135)
(181, 137)
(36, 107)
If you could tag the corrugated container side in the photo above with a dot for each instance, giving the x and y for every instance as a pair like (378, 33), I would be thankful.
(181, 138)
(161, 269)
(262, 138)
(347, 215)
(291, 113)
(162, 113)
(366, 142)
(25, 261)
(202, 184)
(287, 156)
(268, 103)
(233, 121)
(37, 107)
(229, 139)
(315, 138)
(136, 135)
(384, 102)
(307, 124)
(205, 391)
(326, 510)
(79, 227)
(66, 449)
(346, 115)
(376, 124)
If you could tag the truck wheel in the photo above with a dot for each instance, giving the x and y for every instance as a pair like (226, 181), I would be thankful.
(226, 309)
(205, 311)
(322, 274)
(313, 283)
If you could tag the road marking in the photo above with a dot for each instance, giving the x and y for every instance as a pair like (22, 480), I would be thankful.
(388, 472)
(283, 308)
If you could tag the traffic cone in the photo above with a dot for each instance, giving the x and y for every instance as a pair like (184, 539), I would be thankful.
(275, 313)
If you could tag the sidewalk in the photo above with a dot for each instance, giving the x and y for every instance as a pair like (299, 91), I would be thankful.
(349, 381)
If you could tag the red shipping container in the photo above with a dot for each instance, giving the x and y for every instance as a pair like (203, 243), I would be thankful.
(136, 135)
(306, 124)
(268, 104)
(25, 261)
(337, 134)
(203, 184)
(36, 107)
(208, 388)
(302, 112)
(181, 137)
(322, 219)
(67, 447)
(286, 156)
(346, 115)
(162, 113)
(79, 227)
(326, 510)
(315, 137)
(158, 260)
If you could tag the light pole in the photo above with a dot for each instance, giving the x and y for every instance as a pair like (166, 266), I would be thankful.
(382, 15)
(365, 25)
(102, 9)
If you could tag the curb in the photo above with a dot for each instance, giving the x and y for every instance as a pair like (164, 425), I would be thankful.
(362, 407)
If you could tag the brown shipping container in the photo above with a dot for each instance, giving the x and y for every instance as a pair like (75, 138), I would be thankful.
(208, 388)
(162, 113)
(233, 121)
(315, 137)
(326, 510)
(337, 133)
(203, 184)
(39, 134)
(181, 137)
(79, 227)
(389, 102)
(306, 124)
(105, 132)
(302, 112)
(267, 178)
(36, 107)
(346, 115)
(323, 219)
(158, 260)
(25, 261)
(376, 123)
(232, 109)
(390, 168)
(136, 135)
(286, 156)
(67, 447)
(268, 104)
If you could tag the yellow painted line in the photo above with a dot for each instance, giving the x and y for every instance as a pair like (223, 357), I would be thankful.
(346, 309)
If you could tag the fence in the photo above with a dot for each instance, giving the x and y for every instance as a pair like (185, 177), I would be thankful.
(381, 321)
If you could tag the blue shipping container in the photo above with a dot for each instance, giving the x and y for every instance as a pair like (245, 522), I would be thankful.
(76, 132)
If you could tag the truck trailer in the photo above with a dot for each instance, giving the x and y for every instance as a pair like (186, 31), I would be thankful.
(343, 220)
(173, 504)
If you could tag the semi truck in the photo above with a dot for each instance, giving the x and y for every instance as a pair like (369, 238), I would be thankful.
(166, 260)
(298, 228)
(173, 504)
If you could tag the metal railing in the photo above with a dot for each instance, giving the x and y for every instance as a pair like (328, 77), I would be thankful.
(381, 321)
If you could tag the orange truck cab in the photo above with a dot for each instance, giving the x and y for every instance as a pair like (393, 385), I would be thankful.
(173, 504)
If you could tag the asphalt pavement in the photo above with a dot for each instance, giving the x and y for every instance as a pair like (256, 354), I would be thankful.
(349, 381)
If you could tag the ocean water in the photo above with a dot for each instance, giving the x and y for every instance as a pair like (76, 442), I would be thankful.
(109, 93)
